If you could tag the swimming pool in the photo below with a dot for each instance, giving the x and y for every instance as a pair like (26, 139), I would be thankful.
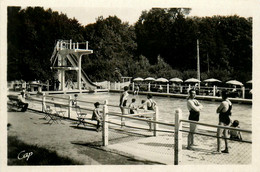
(167, 106)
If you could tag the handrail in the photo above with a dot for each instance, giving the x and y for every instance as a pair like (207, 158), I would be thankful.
(216, 126)
(215, 136)
(140, 119)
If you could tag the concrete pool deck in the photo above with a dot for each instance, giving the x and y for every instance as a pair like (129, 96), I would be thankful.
(79, 142)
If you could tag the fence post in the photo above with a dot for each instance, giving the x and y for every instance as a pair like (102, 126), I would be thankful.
(43, 102)
(108, 85)
(105, 124)
(149, 86)
(214, 90)
(167, 88)
(133, 86)
(69, 106)
(155, 117)
(178, 137)
(243, 92)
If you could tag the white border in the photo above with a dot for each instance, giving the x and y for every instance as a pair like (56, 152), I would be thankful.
(251, 6)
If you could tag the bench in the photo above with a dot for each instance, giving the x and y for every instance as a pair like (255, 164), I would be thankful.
(14, 102)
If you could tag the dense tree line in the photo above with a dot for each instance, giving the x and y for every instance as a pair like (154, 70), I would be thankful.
(162, 43)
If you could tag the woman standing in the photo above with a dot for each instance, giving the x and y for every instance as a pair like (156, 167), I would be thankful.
(122, 103)
(224, 111)
(194, 108)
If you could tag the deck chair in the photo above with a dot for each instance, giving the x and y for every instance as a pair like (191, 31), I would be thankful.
(81, 116)
(52, 116)
(48, 112)
(59, 111)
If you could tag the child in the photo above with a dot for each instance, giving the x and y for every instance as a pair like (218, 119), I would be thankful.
(235, 135)
(132, 107)
(74, 102)
(97, 116)
(143, 105)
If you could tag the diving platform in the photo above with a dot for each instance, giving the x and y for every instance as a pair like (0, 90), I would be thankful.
(67, 56)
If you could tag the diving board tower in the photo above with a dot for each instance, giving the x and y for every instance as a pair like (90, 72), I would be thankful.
(67, 56)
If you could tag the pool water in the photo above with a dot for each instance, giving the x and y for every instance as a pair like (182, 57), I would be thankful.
(167, 106)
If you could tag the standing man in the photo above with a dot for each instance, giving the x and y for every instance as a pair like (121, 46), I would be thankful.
(122, 103)
(194, 107)
(224, 111)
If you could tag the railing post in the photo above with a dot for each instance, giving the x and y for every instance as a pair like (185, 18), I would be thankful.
(86, 45)
(214, 90)
(70, 43)
(243, 92)
(178, 137)
(218, 139)
(167, 87)
(43, 102)
(149, 86)
(133, 86)
(109, 85)
(155, 117)
(69, 106)
(74, 45)
(77, 45)
(105, 124)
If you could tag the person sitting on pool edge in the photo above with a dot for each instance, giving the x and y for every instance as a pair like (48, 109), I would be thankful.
(150, 102)
(22, 102)
(132, 107)
(194, 108)
(234, 134)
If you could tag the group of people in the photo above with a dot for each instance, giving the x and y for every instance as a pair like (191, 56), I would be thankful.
(132, 108)
(194, 107)
(224, 111)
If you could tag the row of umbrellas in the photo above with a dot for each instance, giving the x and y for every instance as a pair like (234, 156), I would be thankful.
(191, 80)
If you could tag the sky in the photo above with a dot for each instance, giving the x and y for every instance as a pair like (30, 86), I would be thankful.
(87, 15)
(87, 11)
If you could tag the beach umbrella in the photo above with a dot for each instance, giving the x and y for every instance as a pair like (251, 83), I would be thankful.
(192, 80)
(149, 79)
(234, 82)
(138, 79)
(161, 80)
(176, 80)
(249, 82)
(211, 80)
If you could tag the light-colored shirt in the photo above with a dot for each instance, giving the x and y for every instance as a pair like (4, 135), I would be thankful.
(97, 114)
(133, 107)
(22, 99)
